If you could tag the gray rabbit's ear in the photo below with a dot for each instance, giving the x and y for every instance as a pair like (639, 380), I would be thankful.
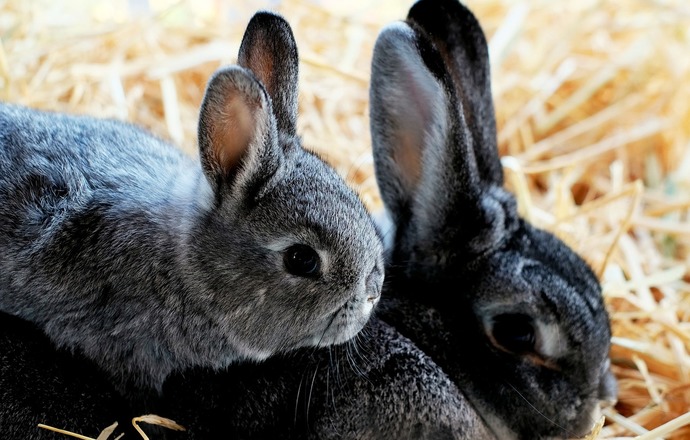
(236, 128)
(269, 50)
(458, 36)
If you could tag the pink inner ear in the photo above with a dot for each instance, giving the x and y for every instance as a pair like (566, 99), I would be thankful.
(407, 157)
(416, 124)
(233, 130)
(260, 62)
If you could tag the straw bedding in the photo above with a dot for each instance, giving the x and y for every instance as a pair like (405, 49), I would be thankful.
(593, 110)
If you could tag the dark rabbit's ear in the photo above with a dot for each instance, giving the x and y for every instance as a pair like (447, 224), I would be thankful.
(411, 122)
(269, 50)
(236, 128)
(458, 36)
(425, 163)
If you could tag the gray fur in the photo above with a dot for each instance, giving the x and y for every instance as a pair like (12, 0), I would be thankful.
(147, 261)
(461, 257)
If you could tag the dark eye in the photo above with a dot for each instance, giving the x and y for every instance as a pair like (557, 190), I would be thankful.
(301, 260)
(514, 332)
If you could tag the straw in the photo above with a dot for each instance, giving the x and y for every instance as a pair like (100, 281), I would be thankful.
(592, 103)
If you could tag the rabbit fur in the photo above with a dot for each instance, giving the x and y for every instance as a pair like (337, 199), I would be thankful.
(147, 261)
(512, 314)
(40, 383)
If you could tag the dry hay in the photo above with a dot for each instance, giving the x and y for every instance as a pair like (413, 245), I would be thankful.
(593, 108)
(150, 419)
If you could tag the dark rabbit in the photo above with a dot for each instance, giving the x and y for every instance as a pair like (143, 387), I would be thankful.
(147, 261)
(511, 314)
(397, 391)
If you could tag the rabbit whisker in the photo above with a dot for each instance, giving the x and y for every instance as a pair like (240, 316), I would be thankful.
(301, 390)
(564, 429)
(353, 353)
(364, 349)
(311, 391)
(351, 361)
(331, 364)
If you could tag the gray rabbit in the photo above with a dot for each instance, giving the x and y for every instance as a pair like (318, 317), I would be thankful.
(511, 314)
(147, 261)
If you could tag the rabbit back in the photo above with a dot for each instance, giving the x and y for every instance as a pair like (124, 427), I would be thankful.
(42, 384)
(379, 387)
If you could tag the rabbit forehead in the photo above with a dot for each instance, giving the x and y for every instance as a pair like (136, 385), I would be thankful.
(309, 201)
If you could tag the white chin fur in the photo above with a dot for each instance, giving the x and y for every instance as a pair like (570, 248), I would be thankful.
(349, 320)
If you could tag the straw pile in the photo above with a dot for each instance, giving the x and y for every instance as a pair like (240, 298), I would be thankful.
(593, 108)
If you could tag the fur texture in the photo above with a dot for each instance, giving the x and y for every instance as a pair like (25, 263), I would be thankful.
(42, 384)
(147, 261)
(510, 312)
(381, 387)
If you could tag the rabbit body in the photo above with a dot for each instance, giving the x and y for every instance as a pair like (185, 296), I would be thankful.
(148, 261)
(42, 384)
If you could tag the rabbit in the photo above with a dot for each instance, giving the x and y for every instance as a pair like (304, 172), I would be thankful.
(147, 261)
(400, 392)
(512, 314)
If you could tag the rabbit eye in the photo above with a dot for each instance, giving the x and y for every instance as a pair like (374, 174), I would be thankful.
(514, 332)
(301, 260)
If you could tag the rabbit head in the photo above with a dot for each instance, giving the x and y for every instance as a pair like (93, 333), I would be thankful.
(512, 314)
(295, 238)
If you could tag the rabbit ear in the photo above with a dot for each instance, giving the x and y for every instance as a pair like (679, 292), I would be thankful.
(425, 165)
(236, 128)
(459, 38)
(269, 50)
